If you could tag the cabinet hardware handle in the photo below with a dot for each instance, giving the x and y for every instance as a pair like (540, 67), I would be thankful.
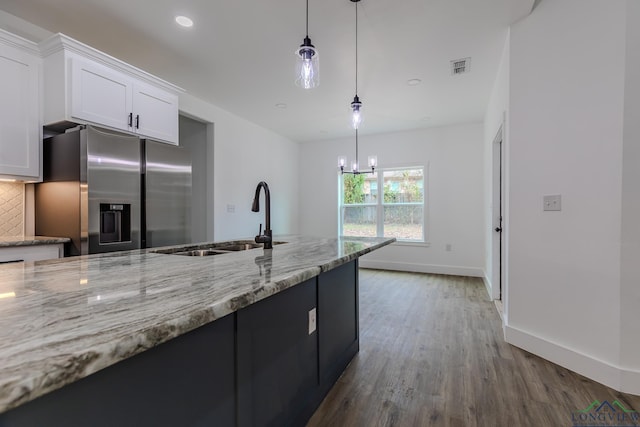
(130, 119)
(137, 121)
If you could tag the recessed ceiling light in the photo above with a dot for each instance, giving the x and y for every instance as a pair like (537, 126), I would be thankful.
(414, 82)
(184, 21)
(281, 105)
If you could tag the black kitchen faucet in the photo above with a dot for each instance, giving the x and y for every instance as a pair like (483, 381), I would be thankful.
(266, 237)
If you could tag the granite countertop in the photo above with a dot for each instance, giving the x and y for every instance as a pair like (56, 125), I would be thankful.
(7, 242)
(64, 319)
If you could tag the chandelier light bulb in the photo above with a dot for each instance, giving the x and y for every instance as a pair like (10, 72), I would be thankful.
(342, 161)
(373, 161)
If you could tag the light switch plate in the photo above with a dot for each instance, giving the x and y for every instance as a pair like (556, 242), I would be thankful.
(231, 208)
(312, 321)
(552, 203)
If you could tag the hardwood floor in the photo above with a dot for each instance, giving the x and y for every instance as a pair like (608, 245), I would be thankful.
(432, 353)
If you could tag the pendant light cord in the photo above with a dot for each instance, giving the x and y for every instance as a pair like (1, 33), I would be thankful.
(307, 18)
(357, 163)
(356, 48)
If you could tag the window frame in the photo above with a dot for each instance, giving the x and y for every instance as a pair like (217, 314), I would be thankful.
(380, 204)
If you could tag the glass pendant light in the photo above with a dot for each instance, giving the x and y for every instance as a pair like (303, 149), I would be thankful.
(356, 119)
(307, 65)
(356, 114)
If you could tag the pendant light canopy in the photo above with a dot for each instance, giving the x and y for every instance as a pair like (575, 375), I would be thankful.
(356, 119)
(307, 64)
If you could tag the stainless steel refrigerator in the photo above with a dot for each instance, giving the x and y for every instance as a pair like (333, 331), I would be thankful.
(109, 191)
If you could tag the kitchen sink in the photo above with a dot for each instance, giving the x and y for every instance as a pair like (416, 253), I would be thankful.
(213, 248)
(239, 247)
(199, 252)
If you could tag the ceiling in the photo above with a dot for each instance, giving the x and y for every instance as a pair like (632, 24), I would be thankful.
(239, 55)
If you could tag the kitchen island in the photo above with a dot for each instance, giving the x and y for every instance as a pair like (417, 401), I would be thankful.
(147, 338)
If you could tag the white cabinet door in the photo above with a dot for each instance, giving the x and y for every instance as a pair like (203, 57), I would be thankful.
(155, 113)
(100, 94)
(20, 140)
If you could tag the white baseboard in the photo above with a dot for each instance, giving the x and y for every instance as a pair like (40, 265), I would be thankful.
(487, 284)
(618, 378)
(421, 268)
(630, 382)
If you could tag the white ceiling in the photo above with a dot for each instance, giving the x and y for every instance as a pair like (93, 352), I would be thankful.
(240, 55)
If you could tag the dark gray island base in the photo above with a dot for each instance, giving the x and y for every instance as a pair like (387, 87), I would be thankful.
(257, 366)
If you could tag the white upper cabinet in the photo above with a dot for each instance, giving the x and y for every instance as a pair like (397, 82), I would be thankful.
(20, 126)
(83, 85)
(156, 112)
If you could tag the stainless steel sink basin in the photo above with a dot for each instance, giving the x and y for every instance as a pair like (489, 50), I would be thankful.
(200, 252)
(213, 248)
(239, 247)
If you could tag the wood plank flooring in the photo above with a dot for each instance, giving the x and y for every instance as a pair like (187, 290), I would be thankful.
(432, 353)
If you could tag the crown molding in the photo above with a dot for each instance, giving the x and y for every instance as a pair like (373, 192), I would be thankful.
(63, 43)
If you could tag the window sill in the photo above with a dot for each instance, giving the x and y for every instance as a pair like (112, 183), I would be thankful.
(407, 243)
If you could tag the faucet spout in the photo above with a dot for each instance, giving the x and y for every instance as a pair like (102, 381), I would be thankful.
(265, 238)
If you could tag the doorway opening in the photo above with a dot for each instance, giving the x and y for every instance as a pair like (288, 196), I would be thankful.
(497, 288)
(194, 137)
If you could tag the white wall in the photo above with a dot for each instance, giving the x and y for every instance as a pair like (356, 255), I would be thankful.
(243, 155)
(22, 28)
(567, 80)
(453, 155)
(496, 117)
(630, 267)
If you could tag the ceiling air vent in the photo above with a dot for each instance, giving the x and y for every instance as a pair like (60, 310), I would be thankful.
(460, 66)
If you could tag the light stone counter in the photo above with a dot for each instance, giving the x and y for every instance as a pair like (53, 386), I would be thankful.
(62, 320)
(9, 242)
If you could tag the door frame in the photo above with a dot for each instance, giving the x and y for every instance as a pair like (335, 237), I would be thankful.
(498, 219)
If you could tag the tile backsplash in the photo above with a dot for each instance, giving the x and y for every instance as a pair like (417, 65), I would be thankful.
(11, 209)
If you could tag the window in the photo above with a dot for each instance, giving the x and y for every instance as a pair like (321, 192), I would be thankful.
(387, 203)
